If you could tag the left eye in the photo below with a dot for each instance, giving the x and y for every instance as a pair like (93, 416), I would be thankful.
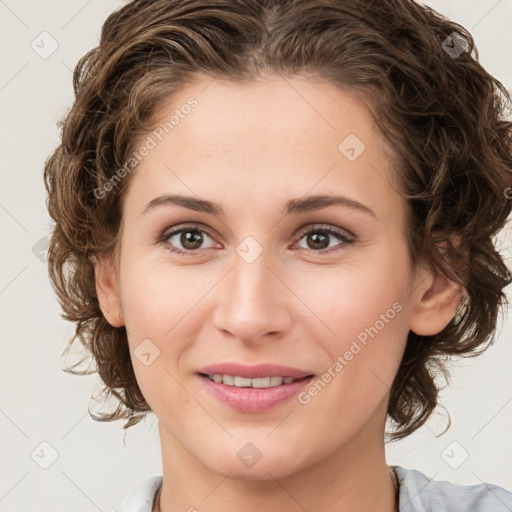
(319, 236)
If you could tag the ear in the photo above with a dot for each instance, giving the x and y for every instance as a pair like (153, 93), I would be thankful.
(438, 301)
(107, 290)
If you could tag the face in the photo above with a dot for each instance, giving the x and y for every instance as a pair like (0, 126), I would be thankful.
(252, 270)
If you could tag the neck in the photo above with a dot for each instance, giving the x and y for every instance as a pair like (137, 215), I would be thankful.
(355, 477)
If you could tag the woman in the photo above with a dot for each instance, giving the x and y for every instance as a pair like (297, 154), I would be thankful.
(274, 221)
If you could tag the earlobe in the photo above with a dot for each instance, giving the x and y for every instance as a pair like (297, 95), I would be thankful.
(107, 290)
(437, 305)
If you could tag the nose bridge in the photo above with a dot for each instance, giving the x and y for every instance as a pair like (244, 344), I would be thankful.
(251, 281)
(251, 300)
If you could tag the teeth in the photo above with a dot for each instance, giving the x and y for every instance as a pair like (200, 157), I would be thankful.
(228, 379)
(263, 382)
(243, 382)
(276, 381)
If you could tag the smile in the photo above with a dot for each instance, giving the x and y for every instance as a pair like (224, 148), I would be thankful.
(244, 382)
(254, 395)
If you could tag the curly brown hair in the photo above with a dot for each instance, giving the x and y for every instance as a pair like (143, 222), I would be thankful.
(417, 72)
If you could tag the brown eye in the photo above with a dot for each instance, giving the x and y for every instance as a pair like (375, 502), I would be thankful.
(319, 239)
(191, 240)
(186, 239)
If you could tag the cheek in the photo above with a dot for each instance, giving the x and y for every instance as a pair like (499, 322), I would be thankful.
(163, 305)
(352, 298)
(151, 307)
(156, 302)
(364, 319)
(155, 295)
(360, 360)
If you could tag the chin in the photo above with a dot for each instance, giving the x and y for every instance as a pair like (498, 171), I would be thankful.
(248, 463)
(260, 472)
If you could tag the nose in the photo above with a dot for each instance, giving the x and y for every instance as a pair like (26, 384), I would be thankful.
(252, 302)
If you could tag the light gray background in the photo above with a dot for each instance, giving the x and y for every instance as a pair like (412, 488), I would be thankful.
(40, 403)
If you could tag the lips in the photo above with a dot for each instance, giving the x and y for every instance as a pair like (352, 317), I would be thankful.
(254, 372)
(252, 400)
(245, 395)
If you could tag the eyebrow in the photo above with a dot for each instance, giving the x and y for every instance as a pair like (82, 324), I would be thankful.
(294, 206)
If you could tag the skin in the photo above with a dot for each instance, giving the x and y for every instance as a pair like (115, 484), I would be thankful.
(252, 147)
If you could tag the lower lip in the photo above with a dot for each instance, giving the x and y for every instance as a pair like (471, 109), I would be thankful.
(254, 399)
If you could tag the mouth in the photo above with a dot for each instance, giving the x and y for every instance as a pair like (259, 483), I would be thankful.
(253, 389)
(263, 370)
(259, 383)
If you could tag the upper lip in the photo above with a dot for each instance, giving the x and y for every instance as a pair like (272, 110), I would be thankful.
(254, 372)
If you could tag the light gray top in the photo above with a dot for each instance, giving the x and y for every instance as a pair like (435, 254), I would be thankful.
(418, 493)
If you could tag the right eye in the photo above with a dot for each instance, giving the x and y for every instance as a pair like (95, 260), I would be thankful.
(189, 237)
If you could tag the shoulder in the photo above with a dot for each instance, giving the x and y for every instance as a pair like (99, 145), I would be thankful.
(140, 499)
(419, 493)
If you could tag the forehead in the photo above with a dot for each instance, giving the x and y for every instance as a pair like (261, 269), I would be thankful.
(274, 137)
(264, 113)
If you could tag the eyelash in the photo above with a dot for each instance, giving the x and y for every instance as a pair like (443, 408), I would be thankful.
(344, 238)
